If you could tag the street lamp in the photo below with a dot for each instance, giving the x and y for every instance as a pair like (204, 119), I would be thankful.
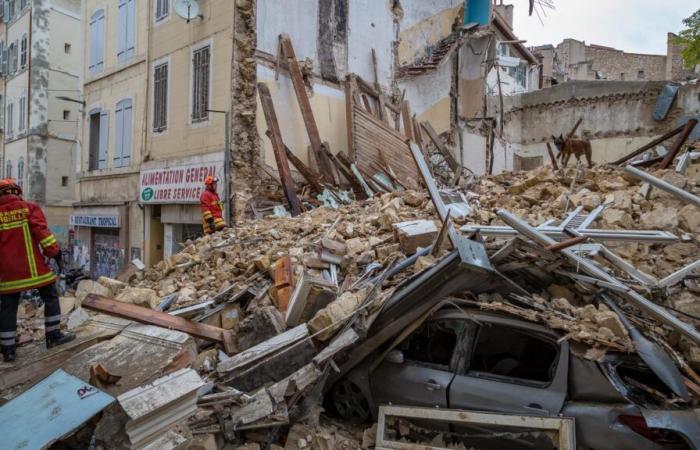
(227, 159)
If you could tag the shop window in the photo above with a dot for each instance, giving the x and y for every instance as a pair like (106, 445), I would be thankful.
(122, 138)
(508, 352)
(160, 97)
(126, 31)
(200, 84)
(97, 45)
(99, 128)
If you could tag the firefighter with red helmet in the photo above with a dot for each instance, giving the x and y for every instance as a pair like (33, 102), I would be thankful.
(25, 239)
(212, 207)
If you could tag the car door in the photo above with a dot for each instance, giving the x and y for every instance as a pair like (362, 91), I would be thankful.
(513, 366)
(419, 370)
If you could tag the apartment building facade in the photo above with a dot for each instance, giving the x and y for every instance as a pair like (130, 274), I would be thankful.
(107, 218)
(40, 145)
(189, 96)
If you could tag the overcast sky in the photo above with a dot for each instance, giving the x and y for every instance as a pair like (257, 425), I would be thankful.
(638, 26)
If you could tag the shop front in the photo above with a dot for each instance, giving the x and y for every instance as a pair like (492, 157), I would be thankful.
(98, 240)
(169, 192)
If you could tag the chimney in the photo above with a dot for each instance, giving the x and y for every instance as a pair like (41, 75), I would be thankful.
(505, 12)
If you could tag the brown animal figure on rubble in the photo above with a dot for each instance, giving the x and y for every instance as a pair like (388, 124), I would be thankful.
(576, 147)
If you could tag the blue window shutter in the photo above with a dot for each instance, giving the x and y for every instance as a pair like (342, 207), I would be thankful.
(126, 138)
(118, 134)
(131, 28)
(104, 140)
(122, 30)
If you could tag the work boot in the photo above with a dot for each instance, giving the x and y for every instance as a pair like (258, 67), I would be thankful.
(57, 337)
(9, 353)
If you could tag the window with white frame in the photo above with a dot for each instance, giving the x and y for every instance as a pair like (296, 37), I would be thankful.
(8, 169)
(12, 58)
(11, 9)
(23, 51)
(98, 139)
(22, 110)
(200, 84)
(96, 55)
(161, 9)
(160, 97)
(122, 139)
(10, 118)
(126, 36)
(20, 172)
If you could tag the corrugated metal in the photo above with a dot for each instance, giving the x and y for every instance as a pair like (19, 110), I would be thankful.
(371, 136)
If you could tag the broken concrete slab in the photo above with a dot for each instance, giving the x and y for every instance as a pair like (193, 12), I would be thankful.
(140, 296)
(414, 234)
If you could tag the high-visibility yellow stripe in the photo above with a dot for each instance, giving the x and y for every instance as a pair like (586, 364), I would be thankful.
(206, 214)
(30, 251)
(47, 241)
(12, 225)
(27, 282)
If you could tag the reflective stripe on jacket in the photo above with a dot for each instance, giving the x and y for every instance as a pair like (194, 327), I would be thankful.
(212, 208)
(24, 241)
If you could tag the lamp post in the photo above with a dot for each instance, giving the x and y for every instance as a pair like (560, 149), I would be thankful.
(227, 162)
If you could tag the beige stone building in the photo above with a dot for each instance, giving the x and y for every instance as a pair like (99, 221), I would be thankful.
(107, 218)
(39, 145)
(576, 60)
(189, 85)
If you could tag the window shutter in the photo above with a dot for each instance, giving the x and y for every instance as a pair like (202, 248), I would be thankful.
(100, 43)
(92, 49)
(131, 23)
(122, 30)
(118, 134)
(126, 138)
(104, 140)
(6, 11)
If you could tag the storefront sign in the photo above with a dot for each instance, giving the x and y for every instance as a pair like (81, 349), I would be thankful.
(80, 220)
(178, 184)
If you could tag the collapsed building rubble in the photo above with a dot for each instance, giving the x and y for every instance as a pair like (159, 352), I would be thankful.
(280, 308)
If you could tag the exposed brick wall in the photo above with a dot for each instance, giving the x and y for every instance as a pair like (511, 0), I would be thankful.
(618, 65)
(675, 67)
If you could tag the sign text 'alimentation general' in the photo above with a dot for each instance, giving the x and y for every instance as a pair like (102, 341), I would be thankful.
(178, 184)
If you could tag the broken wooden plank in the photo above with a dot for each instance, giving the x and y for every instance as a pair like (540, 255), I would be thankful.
(648, 146)
(440, 239)
(302, 168)
(552, 158)
(407, 120)
(341, 342)
(284, 282)
(676, 147)
(279, 149)
(263, 349)
(161, 319)
(304, 104)
(440, 146)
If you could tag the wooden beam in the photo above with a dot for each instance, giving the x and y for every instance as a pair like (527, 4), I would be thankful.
(573, 130)
(671, 155)
(148, 316)
(304, 104)
(552, 158)
(651, 144)
(440, 145)
(440, 239)
(407, 120)
(349, 101)
(284, 282)
(303, 169)
(279, 149)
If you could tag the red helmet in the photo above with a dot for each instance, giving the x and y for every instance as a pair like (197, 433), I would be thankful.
(8, 186)
(210, 180)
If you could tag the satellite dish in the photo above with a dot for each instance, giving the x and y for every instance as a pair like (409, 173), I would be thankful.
(187, 9)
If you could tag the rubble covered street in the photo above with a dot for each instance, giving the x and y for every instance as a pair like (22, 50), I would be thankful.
(401, 252)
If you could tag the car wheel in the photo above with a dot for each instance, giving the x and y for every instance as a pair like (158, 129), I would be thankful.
(350, 403)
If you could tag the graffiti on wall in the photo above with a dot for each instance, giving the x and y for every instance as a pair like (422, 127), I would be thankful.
(108, 256)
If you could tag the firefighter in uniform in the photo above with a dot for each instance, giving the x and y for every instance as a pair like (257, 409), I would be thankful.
(25, 240)
(212, 207)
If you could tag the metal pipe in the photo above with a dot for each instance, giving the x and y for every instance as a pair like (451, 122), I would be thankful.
(663, 185)
(585, 265)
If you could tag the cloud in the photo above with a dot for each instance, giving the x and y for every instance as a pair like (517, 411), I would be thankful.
(638, 26)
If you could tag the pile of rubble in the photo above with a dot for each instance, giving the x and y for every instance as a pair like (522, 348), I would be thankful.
(278, 305)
